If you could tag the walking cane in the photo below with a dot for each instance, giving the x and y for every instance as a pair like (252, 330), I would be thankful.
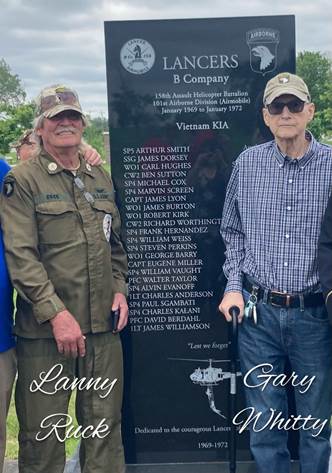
(234, 312)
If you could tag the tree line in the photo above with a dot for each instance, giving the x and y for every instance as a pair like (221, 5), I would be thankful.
(16, 112)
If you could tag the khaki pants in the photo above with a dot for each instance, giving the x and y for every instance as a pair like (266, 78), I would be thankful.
(103, 359)
(7, 376)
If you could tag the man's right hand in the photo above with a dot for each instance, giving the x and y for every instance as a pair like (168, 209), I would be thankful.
(68, 335)
(230, 299)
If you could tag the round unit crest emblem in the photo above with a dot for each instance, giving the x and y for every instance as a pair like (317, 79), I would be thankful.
(137, 56)
(52, 167)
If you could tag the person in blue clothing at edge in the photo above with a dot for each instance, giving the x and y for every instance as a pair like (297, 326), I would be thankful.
(7, 340)
(275, 202)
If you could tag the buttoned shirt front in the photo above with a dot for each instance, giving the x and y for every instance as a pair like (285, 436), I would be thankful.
(272, 216)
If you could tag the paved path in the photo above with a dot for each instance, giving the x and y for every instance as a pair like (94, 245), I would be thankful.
(72, 466)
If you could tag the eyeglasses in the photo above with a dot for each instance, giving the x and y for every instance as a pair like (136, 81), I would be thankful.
(277, 106)
(67, 98)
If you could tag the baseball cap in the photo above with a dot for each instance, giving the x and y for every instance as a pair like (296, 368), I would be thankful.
(55, 99)
(285, 83)
(23, 139)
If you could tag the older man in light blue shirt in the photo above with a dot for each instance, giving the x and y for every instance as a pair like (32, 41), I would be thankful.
(274, 206)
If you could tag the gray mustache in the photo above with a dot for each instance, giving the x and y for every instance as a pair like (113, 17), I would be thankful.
(66, 128)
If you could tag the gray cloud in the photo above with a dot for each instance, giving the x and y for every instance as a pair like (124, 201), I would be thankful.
(46, 41)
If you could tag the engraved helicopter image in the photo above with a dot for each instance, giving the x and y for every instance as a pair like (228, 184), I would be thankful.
(209, 377)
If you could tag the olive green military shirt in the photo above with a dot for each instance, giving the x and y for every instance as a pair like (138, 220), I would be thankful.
(62, 251)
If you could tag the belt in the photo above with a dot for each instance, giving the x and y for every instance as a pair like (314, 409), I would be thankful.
(280, 299)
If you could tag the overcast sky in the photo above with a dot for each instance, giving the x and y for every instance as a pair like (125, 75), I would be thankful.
(46, 41)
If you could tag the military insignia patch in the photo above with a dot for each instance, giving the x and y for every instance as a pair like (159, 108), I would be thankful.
(107, 226)
(283, 80)
(8, 188)
(263, 45)
(52, 167)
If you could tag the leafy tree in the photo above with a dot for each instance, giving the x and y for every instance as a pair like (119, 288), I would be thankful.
(316, 70)
(93, 134)
(11, 90)
(13, 121)
(15, 114)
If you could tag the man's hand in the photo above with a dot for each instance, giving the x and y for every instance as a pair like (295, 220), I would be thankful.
(232, 298)
(68, 335)
(120, 302)
(91, 155)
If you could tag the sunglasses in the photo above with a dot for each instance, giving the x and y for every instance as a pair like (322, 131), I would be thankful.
(277, 106)
(67, 98)
(70, 114)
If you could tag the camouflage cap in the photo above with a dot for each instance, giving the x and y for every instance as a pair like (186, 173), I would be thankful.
(55, 99)
(285, 83)
(23, 139)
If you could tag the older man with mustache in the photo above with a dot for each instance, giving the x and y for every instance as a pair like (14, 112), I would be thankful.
(61, 231)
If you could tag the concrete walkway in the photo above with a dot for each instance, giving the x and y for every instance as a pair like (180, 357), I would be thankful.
(72, 466)
(242, 467)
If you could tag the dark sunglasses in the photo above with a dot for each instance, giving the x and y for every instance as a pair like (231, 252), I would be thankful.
(70, 114)
(277, 106)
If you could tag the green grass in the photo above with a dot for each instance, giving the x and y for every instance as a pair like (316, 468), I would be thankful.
(11, 158)
(12, 431)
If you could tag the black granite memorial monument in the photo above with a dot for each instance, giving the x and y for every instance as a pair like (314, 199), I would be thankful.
(185, 98)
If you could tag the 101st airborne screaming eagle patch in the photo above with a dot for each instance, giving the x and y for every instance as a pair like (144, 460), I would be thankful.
(8, 188)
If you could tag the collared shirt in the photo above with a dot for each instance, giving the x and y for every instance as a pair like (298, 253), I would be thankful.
(63, 251)
(6, 291)
(272, 216)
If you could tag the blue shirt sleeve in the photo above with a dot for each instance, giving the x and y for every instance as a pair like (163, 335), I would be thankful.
(4, 168)
(6, 292)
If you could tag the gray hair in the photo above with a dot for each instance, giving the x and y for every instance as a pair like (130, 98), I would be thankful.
(38, 123)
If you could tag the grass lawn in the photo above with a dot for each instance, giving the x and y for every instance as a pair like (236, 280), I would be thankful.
(12, 432)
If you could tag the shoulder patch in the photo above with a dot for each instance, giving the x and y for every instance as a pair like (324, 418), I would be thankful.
(8, 188)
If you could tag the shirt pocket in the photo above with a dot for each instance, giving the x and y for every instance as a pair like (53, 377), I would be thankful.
(57, 222)
(105, 212)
